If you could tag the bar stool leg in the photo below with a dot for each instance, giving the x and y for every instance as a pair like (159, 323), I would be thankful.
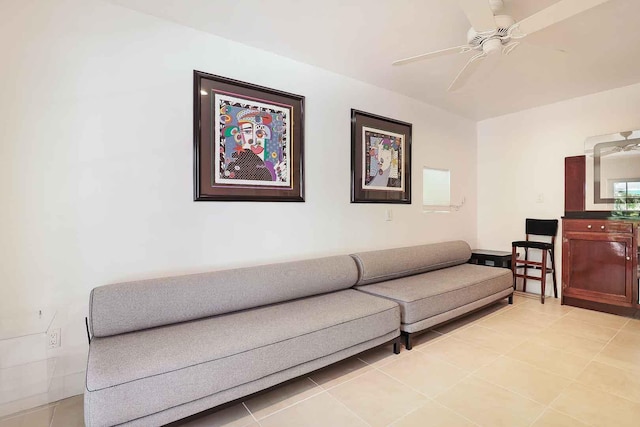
(513, 265)
(543, 276)
(526, 268)
(553, 266)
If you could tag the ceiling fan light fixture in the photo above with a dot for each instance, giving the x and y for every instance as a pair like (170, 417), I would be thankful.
(492, 46)
(626, 134)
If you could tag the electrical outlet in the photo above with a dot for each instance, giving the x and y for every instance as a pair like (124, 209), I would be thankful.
(54, 338)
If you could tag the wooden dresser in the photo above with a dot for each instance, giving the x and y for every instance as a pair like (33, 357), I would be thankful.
(600, 264)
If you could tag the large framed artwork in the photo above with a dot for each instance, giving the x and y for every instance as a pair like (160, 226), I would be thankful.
(248, 142)
(380, 159)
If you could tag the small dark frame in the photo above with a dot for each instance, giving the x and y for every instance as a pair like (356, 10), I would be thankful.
(210, 181)
(359, 194)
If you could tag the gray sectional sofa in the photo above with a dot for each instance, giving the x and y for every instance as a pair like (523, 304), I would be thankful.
(432, 283)
(165, 349)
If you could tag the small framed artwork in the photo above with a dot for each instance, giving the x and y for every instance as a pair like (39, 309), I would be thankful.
(248, 142)
(380, 159)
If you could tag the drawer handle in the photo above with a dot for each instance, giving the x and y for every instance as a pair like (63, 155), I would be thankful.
(589, 226)
(628, 258)
(602, 227)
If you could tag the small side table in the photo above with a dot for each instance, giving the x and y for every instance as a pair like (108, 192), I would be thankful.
(491, 258)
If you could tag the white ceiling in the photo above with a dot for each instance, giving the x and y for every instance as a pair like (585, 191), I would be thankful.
(360, 39)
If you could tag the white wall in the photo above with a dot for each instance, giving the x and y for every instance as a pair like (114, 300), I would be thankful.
(521, 157)
(96, 152)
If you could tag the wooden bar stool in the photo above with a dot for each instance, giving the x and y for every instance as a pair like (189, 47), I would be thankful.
(536, 227)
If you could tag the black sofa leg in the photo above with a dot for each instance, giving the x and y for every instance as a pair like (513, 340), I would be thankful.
(408, 344)
(511, 299)
(396, 346)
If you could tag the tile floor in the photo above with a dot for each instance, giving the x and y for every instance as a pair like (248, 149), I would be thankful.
(525, 364)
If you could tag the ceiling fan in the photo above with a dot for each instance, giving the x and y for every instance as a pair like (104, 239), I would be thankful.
(492, 34)
(624, 146)
(622, 149)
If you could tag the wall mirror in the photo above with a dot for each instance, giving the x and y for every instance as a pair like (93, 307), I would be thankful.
(613, 171)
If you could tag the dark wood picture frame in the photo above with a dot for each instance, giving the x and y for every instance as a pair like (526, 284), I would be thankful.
(395, 189)
(248, 141)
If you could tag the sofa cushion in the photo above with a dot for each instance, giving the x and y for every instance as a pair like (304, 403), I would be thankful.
(144, 372)
(181, 411)
(456, 312)
(131, 306)
(378, 266)
(429, 294)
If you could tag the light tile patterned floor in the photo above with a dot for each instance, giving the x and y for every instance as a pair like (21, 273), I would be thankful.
(525, 364)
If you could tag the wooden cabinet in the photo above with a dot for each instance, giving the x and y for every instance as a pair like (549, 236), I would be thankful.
(600, 264)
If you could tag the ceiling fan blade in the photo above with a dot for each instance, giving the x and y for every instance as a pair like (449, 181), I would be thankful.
(479, 14)
(557, 12)
(633, 144)
(466, 72)
(457, 49)
(556, 51)
(608, 153)
(509, 47)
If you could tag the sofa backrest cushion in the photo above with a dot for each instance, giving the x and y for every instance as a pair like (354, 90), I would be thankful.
(387, 264)
(131, 306)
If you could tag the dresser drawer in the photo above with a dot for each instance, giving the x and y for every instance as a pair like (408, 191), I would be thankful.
(598, 225)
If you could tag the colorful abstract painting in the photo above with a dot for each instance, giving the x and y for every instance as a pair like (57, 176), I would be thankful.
(253, 142)
(248, 142)
(382, 160)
